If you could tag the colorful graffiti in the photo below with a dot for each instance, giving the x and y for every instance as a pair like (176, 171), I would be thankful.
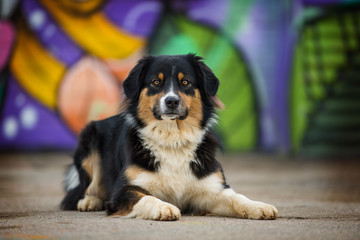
(63, 62)
(325, 84)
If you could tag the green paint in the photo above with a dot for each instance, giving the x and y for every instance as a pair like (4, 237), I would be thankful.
(298, 109)
(237, 18)
(317, 93)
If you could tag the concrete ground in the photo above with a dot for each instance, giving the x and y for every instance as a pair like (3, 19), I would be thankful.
(315, 199)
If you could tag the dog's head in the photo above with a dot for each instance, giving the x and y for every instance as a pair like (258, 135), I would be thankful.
(168, 88)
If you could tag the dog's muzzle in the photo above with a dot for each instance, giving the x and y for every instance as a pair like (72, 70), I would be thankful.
(172, 103)
(171, 108)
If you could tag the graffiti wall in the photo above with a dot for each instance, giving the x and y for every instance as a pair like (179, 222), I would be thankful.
(325, 86)
(63, 63)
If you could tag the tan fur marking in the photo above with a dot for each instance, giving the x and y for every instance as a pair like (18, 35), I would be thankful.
(146, 103)
(220, 175)
(132, 172)
(180, 76)
(128, 209)
(161, 76)
(218, 103)
(125, 103)
(92, 166)
(87, 165)
(123, 212)
(95, 193)
(194, 105)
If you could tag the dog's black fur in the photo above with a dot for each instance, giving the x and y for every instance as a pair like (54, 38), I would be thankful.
(120, 145)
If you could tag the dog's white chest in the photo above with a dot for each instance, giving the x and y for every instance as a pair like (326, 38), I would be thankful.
(174, 151)
(172, 181)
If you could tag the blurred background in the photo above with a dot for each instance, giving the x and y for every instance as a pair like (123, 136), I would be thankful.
(289, 69)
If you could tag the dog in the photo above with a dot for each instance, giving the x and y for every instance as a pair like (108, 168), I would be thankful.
(156, 159)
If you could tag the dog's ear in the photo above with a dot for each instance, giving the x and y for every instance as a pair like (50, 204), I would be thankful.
(209, 80)
(134, 81)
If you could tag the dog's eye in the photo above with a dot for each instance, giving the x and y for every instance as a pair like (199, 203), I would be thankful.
(185, 82)
(156, 82)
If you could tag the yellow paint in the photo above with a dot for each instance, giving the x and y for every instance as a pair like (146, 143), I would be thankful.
(95, 33)
(36, 70)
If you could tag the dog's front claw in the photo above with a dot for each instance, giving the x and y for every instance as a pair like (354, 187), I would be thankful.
(262, 210)
(167, 212)
(90, 203)
(152, 208)
(256, 210)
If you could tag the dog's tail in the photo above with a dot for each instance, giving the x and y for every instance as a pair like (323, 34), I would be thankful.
(73, 187)
(71, 180)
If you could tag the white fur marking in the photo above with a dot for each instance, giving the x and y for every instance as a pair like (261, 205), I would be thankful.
(165, 135)
(213, 120)
(170, 93)
(129, 119)
(71, 180)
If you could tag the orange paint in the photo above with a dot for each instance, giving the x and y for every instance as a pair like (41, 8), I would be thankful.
(88, 92)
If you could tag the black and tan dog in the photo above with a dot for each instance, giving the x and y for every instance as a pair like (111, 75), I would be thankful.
(157, 158)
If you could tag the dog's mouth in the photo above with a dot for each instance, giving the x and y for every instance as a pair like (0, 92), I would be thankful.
(170, 115)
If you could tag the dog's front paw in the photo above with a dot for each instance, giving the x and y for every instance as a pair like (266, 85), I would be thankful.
(90, 203)
(166, 212)
(154, 209)
(257, 210)
(247, 208)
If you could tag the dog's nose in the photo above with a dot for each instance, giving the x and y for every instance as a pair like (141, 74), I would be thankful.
(172, 102)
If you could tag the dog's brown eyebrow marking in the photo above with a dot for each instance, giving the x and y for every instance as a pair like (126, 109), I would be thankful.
(180, 76)
(161, 76)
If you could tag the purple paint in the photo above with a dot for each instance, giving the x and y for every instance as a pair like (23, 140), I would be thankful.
(280, 99)
(267, 40)
(209, 12)
(321, 2)
(50, 34)
(138, 17)
(26, 124)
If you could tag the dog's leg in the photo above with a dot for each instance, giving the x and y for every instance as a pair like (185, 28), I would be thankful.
(152, 208)
(214, 196)
(233, 204)
(95, 194)
(134, 202)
